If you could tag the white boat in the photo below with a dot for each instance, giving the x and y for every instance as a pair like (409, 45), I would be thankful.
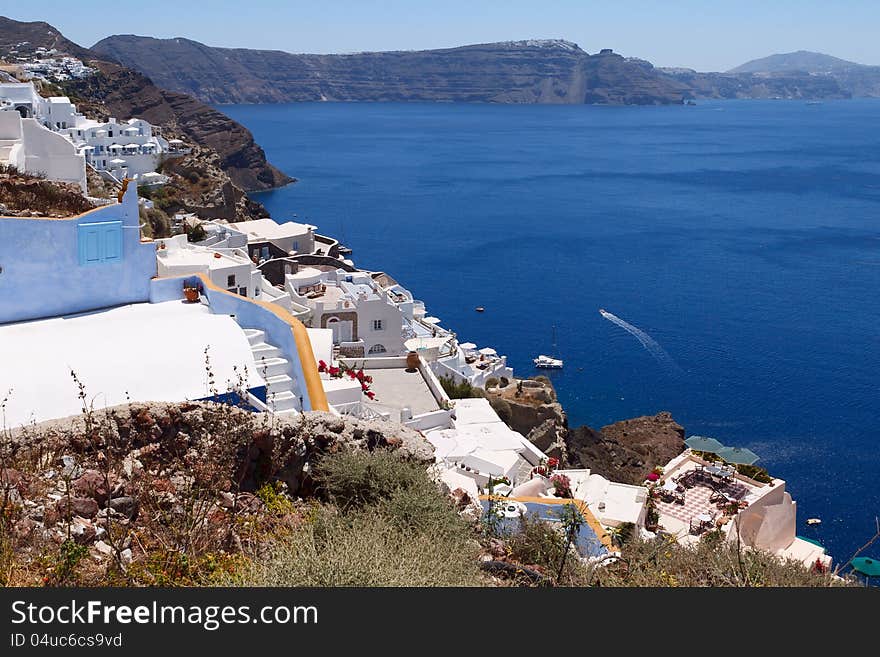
(548, 363)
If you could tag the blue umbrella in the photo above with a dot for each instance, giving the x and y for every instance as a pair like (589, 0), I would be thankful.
(703, 444)
(738, 455)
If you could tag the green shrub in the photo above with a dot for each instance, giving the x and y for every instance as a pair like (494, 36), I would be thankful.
(352, 479)
(463, 390)
(755, 472)
(364, 548)
(196, 233)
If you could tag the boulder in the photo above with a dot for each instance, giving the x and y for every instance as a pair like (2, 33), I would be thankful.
(92, 484)
(79, 506)
(82, 531)
(125, 505)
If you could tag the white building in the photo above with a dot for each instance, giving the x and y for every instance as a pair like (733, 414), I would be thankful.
(364, 321)
(32, 148)
(229, 269)
(481, 446)
(764, 516)
(269, 239)
(123, 150)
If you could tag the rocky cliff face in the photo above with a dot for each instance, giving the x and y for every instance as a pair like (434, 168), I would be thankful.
(224, 151)
(533, 411)
(509, 72)
(752, 85)
(626, 451)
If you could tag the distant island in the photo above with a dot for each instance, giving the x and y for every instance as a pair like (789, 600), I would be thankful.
(548, 71)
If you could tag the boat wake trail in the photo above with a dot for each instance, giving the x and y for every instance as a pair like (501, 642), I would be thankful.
(649, 343)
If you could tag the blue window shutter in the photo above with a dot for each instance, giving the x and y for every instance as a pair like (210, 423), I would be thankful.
(99, 242)
(113, 242)
(89, 245)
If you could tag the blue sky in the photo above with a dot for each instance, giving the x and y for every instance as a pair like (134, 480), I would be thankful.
(708, 35)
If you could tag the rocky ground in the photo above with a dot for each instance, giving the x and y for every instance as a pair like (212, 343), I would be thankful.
(25, 195)
(119, 496)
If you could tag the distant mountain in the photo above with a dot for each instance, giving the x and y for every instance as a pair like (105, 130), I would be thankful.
(802, 60)
(533, 71)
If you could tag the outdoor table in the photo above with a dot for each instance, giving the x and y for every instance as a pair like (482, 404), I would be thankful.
(719, 472)
(704, 518)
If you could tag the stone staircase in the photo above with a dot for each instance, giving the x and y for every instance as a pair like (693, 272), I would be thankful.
(281, 395)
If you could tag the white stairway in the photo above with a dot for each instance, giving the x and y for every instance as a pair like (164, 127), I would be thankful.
(275, 370)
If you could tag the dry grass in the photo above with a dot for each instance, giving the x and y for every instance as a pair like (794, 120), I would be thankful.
(364, 548)
(27, 194)
(712, 562)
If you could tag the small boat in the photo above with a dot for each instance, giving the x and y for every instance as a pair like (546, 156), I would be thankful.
(813, 521)
(479, 309)
(547, 363)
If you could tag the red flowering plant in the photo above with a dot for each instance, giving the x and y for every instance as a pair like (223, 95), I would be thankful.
(334, 372)
(358, 375)
(561, 486)
(546, 467)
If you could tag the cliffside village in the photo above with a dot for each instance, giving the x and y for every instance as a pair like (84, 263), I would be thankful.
(280, 315)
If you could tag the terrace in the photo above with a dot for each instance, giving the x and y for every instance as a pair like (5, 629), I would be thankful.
(695, 496)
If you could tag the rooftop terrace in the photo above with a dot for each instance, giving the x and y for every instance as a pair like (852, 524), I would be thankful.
(138, 352)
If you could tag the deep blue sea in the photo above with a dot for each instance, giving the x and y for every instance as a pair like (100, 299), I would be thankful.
(742, 238)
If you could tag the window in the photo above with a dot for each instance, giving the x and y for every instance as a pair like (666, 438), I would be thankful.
(99, 243)
(295, 245)
(230, 280)
(377, 325)
(377, 349)
(242, 291)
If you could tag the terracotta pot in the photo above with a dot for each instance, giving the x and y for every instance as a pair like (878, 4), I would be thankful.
(191, 293)
(412, 360)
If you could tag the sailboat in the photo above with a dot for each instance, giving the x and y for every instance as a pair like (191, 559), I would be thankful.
(548, 362)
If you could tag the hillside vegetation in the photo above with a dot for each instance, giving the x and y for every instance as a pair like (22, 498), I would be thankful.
(209, 494)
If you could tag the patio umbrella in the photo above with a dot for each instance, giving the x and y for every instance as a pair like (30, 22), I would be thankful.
(431, 320)
(488, 351)
(866, 566)
(467, 346)
(738, 455)
(703, 444)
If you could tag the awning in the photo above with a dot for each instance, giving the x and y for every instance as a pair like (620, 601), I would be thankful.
(704, 444)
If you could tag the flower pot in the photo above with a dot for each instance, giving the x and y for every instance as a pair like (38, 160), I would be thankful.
(412, 360)
(191, 294)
